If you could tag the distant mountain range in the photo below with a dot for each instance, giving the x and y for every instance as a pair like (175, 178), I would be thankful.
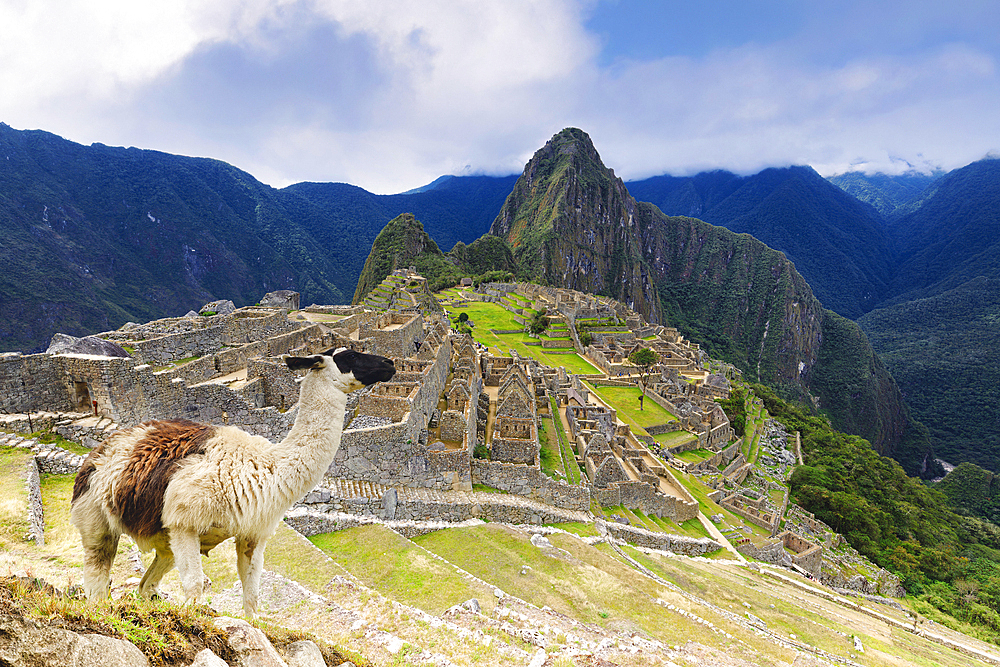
(95, 236)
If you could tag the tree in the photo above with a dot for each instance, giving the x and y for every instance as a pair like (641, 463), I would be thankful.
(463, 317)
(539, 322)
(643, 358)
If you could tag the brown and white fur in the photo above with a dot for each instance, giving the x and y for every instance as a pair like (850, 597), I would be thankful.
(181, 488)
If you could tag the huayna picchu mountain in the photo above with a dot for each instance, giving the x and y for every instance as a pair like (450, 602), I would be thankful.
(571, 222)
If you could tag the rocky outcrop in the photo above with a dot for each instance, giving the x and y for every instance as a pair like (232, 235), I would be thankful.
(66, 344)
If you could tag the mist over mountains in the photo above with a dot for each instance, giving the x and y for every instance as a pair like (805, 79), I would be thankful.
(95, 236)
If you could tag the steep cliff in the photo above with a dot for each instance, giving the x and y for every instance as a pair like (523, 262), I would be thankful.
(572, 223)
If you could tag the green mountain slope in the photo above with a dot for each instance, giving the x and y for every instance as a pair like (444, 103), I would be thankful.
(953, 237)
(836, 242)
(944, 352)
(95, 236)
(890, 195)
(403, 243)
(572, 223)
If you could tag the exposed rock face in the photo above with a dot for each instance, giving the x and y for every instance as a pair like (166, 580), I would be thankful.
(65, 344)
(573, 223)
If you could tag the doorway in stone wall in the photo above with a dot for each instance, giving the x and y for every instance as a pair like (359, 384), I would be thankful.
(82, 395)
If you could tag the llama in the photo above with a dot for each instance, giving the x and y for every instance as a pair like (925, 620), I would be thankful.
(181, 488)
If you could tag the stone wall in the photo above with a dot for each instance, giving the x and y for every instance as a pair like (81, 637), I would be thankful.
(807, 555)
(393, 454)
(529, 481)
(772, 552)
(486, 506)
(767, 521)
(455, 425)
(32, 382)
(393, 342)
(679, 544)
(645, 498)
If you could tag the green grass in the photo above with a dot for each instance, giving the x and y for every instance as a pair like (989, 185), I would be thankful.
(695, 455)
(709, 507)
(391, 564)
(626, 401)
(13, 496)
(549, 455)
(588, 583)
(51, 437)
(571, 469)
(491, 316)
(57, 492)
(674, 438)
(577, 528)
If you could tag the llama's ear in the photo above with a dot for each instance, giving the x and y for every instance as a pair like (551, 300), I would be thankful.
(304, 363)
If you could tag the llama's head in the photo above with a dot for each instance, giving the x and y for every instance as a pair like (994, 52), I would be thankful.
(347, 369)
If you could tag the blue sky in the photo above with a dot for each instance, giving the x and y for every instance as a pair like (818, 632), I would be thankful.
(390, 95)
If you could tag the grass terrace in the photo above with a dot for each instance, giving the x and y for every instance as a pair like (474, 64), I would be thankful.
(626, 401)
(674, 438)
(570, 466)
(709, 507)
(695, 455)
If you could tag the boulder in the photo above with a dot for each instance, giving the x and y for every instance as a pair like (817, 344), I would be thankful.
(25, 643)
(282, 298)
(304, 654)
(65, 344)
(250, 644)
(220, 307)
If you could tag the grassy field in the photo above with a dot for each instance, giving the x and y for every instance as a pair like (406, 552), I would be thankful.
(695, 455)
(626, 401)
(674, 438)
(487, 316)
(13, 496)
(391, 564)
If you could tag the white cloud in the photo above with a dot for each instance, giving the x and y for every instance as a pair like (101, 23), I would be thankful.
(391, 94)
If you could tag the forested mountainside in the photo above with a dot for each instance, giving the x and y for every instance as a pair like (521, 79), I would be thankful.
(944, 352)
(571, 222)
(890, 195)
(95, 236)
(836, 242)
(953, 237)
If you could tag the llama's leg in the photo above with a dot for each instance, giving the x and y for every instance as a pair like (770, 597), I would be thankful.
(99, 549)
(186, 547)
(250, 564)
(161, 564)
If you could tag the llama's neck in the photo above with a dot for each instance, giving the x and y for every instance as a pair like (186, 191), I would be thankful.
(309, 448)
